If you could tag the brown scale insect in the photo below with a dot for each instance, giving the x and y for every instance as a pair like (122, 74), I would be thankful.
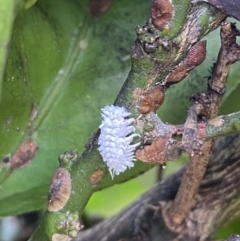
(161, 13)
(60, 190)
(96, 177)
(154, 153)
(25, 154)
(178, 74)
(194, 57)
(151, 100)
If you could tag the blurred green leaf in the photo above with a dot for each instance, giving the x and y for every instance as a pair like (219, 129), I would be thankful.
(229, 229)
(8, 10)
(119, 195)
(6, 23)
(63, 65)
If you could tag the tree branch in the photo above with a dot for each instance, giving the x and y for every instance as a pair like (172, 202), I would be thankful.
(217, 202)
(194, 227)
(150, 64)
(223, 125)
(206, 105)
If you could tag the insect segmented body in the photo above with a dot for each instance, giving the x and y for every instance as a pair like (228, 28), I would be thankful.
(117, 133)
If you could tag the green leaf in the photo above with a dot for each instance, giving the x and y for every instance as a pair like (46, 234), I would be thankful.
(64, 65)
(8, 9)
(6, 23)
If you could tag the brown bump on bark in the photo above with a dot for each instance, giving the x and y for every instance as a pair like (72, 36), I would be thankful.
(151, 100)
(161, 13)
(154, 153)
(24, 155)
(216, 122)
(196, 55)
(98, 7)
(177, 219)
(60, 190)
(96, 177)
(177, 74)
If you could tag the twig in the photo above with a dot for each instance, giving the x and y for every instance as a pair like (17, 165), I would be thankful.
(196, 167)
(223, 125)
(147, 69)
(216, 127)
(216, 203)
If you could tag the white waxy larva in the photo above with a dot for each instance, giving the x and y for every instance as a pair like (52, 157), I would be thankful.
(117, 133)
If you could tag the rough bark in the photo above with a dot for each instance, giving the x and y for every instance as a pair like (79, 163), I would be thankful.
(216, 203)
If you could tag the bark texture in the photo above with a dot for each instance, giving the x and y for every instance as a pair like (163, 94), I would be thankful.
(216, 203)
